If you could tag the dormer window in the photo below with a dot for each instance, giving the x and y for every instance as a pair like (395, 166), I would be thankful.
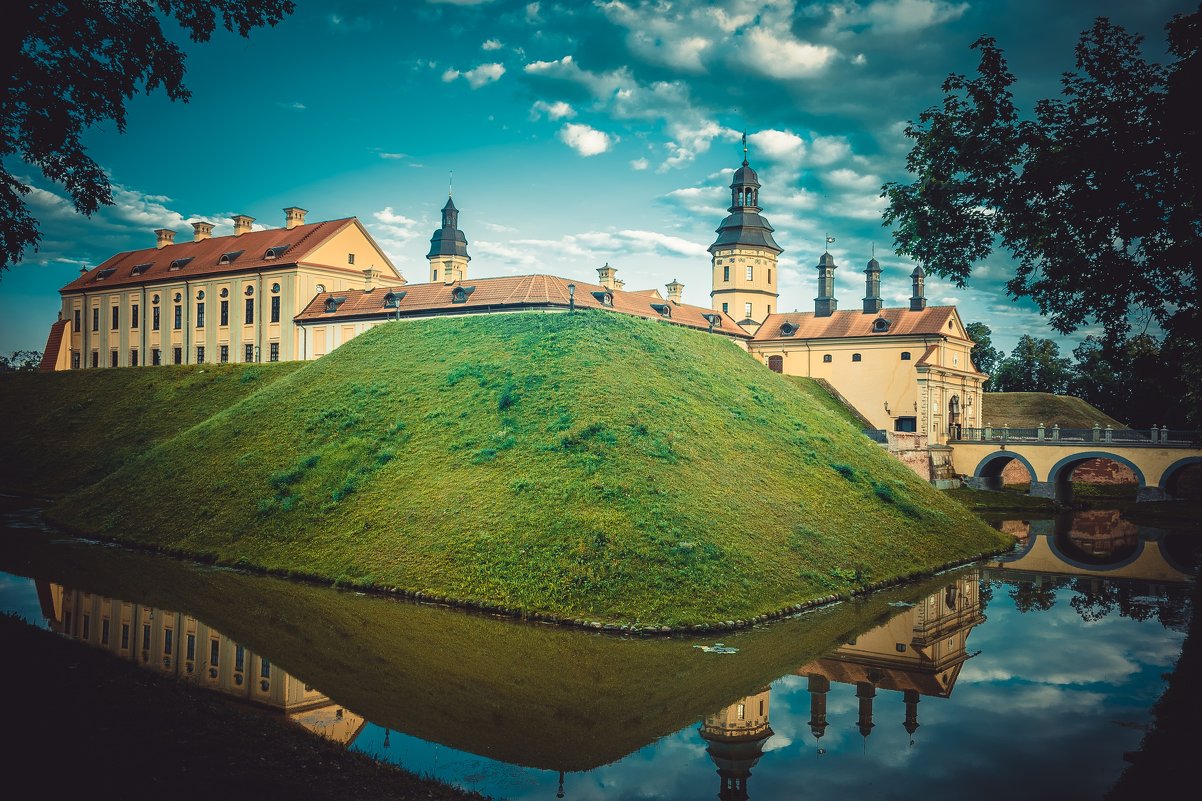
(787, 329)
(275, 252)
(715, 320)
(105, 273)
(179, 264)
(138, 269)
(393, 299)
(231, 257)
(663, 308)
(332, 304)
(460, 293)
(880, 325)
(605, 298)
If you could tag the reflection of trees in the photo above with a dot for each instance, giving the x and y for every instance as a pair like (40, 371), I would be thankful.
(985, 593)
(1095, 598)
(1031, 596)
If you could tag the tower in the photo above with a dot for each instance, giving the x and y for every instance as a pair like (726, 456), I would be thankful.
(918, 300)
(825, 304)
(448, 248)
(735, 739)
(872, 287)
(744, 254)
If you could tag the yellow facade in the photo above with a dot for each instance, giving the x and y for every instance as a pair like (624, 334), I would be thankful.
(744, 281)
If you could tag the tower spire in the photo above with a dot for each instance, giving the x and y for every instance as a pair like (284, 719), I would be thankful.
(744, 148)
(450, 183)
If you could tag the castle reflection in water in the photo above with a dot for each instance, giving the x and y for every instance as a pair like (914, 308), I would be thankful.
(917, 652)
(180, 646)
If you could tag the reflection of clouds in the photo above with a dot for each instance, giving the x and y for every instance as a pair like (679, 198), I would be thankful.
(19, 596)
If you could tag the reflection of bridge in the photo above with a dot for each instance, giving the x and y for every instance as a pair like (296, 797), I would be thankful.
(1050, 456)
(1095, 544)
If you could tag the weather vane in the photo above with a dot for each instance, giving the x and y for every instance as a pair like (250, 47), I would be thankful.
(830, 240)
(744, 148)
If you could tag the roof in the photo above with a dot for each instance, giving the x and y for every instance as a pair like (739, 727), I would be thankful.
(745, 227)
(204, 258)
(932, 320)
(507, 293)
(53, 345)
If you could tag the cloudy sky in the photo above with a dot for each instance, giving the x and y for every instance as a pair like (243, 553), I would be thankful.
(578, 133)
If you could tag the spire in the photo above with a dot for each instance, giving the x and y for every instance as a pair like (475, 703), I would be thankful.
(745, 148)
(918, 300)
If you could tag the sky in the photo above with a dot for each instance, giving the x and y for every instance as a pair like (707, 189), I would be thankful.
(577, 133)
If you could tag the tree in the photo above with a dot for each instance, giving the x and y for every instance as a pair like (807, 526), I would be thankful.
(21, 361)
(1035, 365)
(984, 355)
(1137, 381)
(73, 65)
(1096, 199)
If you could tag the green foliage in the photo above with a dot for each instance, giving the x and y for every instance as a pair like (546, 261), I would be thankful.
(591, 494)
(1035, 365)
(984, 355)
(21, 361)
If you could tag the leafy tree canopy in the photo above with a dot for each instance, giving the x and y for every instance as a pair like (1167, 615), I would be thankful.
(21, 361)
(71, 65)
(1035, 365)
(1097, 197)
(984, 355)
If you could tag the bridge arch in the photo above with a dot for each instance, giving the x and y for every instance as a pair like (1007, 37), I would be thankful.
(989, 470)
(1171, 473)
(1060, 474)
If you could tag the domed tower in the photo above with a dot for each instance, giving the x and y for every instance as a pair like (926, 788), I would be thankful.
(448, 248)
(744, 254)
(736, 737)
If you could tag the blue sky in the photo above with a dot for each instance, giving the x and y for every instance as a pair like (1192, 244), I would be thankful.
(579, 133)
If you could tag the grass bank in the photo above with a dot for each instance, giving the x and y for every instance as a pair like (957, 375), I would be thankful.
(1029, 409)
(84, 708)
(591, 465)
(69, 429)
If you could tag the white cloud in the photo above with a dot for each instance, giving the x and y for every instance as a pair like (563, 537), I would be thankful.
(639, 164)
(585, 140)
(392, 156)
(781, 56)
(907, 16)
(349, 24)
(292, 106)
(784, 147)
(477, 76)
(492, 44)
(553, 111)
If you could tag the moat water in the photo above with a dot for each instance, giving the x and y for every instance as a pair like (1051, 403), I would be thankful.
(1026, 676)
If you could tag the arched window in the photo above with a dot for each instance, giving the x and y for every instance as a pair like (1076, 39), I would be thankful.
(776, 364)
(855, 357)
(905, 357)
(826, 358)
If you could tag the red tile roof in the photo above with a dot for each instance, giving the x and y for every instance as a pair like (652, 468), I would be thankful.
(205, 256)
(507, 294)
(854, 323)
(53, 344)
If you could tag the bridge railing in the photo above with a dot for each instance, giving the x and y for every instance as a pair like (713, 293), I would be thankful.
(1121, 437)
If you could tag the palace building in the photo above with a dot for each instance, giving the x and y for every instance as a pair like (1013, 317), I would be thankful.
(300, 291)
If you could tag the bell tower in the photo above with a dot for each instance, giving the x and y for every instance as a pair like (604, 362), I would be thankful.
(448, 248)
(744, 254)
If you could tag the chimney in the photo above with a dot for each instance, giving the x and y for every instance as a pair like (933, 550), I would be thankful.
(825, 304)
(201, 231)
(605, 276)
(872, 287)
(918, 301)
(619, 283)
(83, 270)
(242, 224)
(675, 291)
(370, 276)
(165, 237)
(449, 274)
(294, 216)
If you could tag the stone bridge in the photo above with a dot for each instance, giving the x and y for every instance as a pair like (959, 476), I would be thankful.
(1156, 459)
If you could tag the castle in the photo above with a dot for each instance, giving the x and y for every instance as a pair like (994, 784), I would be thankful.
(298, 292)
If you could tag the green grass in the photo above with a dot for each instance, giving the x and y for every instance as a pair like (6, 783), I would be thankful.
(590, 465)
(1029, 409)
(822, 398)
(984, 501)
(65, 430)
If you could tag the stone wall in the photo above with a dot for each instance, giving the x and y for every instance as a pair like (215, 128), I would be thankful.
(1093, 471)
(911, 450)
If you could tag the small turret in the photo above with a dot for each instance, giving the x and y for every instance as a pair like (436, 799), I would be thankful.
(825, 304)
(872, 287)
(675, 291)
(607, 276)
(918, 301)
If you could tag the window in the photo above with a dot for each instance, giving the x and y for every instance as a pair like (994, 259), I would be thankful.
(900, 647)
(229, 258)
(274, 351)
(104, 631)
(250, 311)
(179, 317)
(275, 309)
(275, 252)
(154, 324)
(350, 258)
(741, 712)
(726, 308)
(265, 668)
(747, 310)
(225, 313)
(95, 358)
(177, 355)
(906, 424)
(77, 324)
(133, 357)
(112, 358)
(191, 647)
(146, 637)
(138, 269)
(749, 269)
(855, 357)
(124, 636)
(156, 356)
(435, 278)
(770, 275)
(214, 652)
(905, 357)
(776, 364)
(249, 353)
(87, 626)
(725, 273)
(75, 360)
(275, 288)
(168, 641)
(133, 316)
(225, 354)
(95, 318)
(239, 658)
(826, 358)
(179, 264)
(880, 325)
(200, 354)
(200, 315)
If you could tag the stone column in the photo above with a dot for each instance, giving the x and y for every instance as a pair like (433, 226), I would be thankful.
(1043, 489)
(1151, 494)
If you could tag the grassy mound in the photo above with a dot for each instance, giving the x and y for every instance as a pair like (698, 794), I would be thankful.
(64, 430)
(1029, 409)
(592, 464)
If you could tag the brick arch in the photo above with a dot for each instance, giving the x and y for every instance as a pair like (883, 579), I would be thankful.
(1065, 466)
(1176, 467)
(993, 465)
